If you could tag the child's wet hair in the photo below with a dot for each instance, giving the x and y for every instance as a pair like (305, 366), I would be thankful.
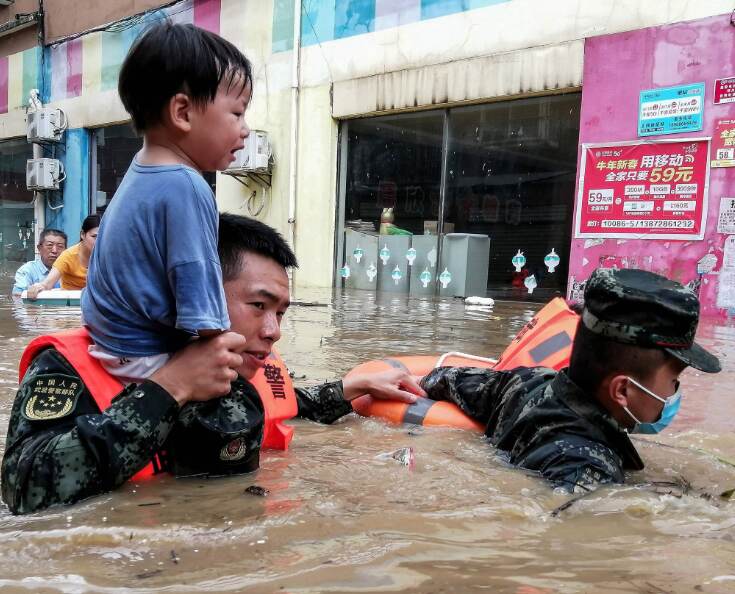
(169, 59)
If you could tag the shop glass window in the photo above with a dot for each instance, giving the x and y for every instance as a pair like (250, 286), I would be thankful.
(508, 175)
(17, 224)
(511, 173)
(394, 162)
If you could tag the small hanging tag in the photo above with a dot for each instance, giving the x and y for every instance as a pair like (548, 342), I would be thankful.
(396, 275)
(445, 278)
(425, 277)
(357, 254)
(411, 256)
(530, 282)
(551, 260)
(519, 261)
(385, 254)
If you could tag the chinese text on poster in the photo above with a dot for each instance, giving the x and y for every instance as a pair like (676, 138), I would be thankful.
(643, 190)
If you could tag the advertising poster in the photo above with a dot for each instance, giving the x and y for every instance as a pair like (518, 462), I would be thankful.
(728, 260)
(726, 219)
(724, 90)
(643, 190)
(726, 289)
(671, 110)
(723, 144)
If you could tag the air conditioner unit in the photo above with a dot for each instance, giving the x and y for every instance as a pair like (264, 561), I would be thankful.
(256, 156)
(45, 125)
(44, 174)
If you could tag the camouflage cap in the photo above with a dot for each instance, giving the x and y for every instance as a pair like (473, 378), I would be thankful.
(646, 309)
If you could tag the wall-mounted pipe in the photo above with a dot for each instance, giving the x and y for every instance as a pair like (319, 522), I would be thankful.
(295, 87)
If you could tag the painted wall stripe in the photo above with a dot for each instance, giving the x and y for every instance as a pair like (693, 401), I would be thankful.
(4, 84)
(15, 81)
(31, 64)
(115, 46)
(56, 71)
(183, 13)
(206, 14)
(92, 63)
(75, 68)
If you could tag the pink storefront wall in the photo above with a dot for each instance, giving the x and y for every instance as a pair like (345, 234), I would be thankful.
(616, 68)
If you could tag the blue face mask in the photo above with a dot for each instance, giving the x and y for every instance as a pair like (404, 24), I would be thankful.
(671, 407)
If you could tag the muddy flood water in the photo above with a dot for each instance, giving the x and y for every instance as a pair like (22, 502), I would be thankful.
(341, 517)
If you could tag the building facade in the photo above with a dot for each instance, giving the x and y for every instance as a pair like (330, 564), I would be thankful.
(469, 117)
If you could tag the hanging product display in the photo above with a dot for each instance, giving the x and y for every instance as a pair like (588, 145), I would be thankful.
(519, 261)
(385, 254)
(344, 272)
(431, 257)
(445, 278)
(425, 277)
(396, 275)
(357, 254)
(530, 282)
(551, 260)
(371, 271)
(411, 256)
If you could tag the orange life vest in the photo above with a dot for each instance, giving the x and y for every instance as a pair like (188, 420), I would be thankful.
(545, 341)
(272, 383)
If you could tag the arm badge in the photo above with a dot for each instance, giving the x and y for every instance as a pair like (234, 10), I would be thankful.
(50, 396)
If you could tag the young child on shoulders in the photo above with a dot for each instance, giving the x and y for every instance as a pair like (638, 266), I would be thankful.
(154, 280)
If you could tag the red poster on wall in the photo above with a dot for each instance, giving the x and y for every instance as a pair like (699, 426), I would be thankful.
(654, 190)
(723, 144)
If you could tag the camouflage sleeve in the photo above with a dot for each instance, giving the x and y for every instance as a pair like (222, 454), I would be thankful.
(476, 391)
(574, 463)
(324, 403)
(64, 455)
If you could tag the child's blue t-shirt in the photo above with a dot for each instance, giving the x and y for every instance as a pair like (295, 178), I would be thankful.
(154, 278)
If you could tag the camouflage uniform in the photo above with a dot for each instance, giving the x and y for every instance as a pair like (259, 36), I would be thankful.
(62, 449)
(542, 420)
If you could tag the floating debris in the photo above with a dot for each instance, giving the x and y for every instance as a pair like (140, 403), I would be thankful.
(149, 574)
(257, 491)
(309, 303)
(487, 301)
(677, 488)
(405, 456)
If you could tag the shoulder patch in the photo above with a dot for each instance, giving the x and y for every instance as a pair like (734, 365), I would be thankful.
(50, 396)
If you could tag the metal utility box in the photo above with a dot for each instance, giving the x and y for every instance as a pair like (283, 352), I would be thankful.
(464, 265)
(392, 263)
(256, 155)
(423, 269)
(45, 125)
(44, 174)
(361, 258)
